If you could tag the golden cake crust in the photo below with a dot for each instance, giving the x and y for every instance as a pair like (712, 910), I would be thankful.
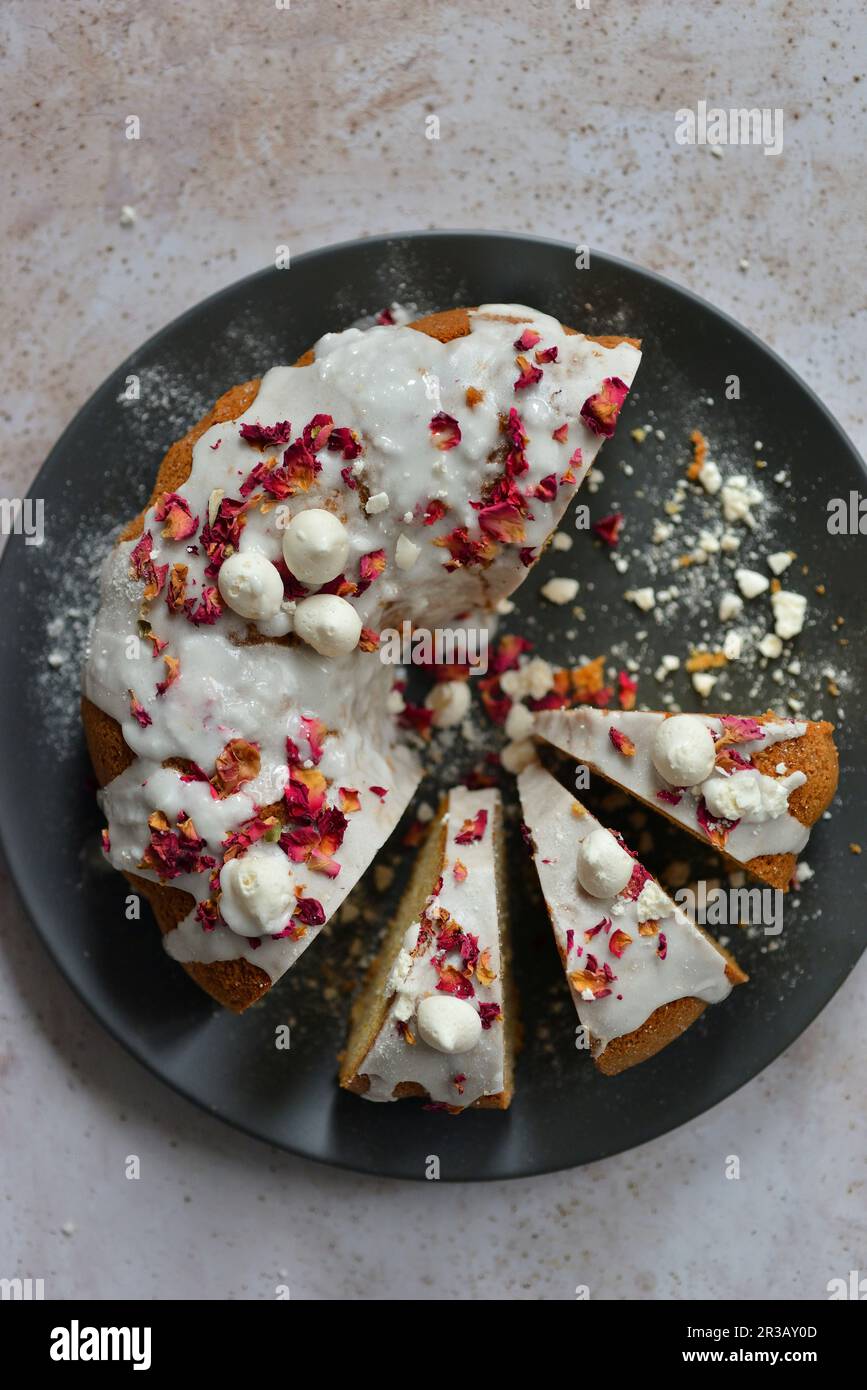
(236, 984)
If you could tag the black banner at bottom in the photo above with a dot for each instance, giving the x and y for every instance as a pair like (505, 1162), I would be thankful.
(82, 1338)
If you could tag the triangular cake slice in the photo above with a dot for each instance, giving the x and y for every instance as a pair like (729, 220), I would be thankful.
(639, 970)
(435, 1018)
(750, 786)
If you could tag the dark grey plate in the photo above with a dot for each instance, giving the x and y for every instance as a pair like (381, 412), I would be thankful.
(100, 473)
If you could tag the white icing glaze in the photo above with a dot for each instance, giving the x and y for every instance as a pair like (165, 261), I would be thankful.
(692, 967)
(585, 734)
(472, 904)
(385, 385)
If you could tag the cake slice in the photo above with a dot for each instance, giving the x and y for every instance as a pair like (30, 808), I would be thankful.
(436, 1018)
(639, 970)
(751, 787)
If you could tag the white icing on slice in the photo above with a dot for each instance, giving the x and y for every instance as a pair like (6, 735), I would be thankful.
(691, 969)
(585, 734)
(471, 902)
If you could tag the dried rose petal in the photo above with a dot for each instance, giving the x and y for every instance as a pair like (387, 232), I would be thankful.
(622, 742)
(317, 432)
(371, 567)
(459, 871)
(662, 947)
(730, 760)
(636, 882)
(495, 703)
(453, 981)
(737, 729)
(627, 689)
(344, 441)
(222, 536)
(473, 829)
(174, 510)
(673, 798)
(171, 853)
(208, 913)
(381, 792)
(529, 374)
(516, 435)
(239, 762)
(618, 942)
(490, 1014)
(349, 800)
(434, 511)
(546, 490)
(528, 339)
(138, 711)
(310, 912)
(173, 669)
(314, 731)
(445, 430)
(561, 434)
(543, 355)
(508, 653)
(608, 528)
(503, 522)
(304, 793)
(263, 435)
(600, 412)
(208, 610)
(717, 831)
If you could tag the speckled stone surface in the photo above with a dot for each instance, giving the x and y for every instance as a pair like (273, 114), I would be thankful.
(303, 125)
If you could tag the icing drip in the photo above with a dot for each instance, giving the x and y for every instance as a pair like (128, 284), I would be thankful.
(399, 478)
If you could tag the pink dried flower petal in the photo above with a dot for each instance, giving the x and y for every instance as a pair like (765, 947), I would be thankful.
(528, 339)
(473, 829)
(608, 528)
(445, 430)
(672, 797)
(600, 411)
(529, 374)
(263, 435)
(174, 510)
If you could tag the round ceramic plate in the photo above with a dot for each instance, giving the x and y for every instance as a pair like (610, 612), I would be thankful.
(100, 473)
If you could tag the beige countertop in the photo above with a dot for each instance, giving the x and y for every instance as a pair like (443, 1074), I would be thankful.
(303, 125)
